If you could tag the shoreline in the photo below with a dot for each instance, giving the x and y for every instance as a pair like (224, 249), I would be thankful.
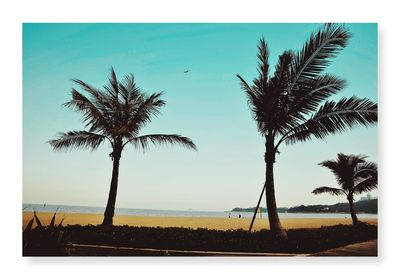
(217, 223)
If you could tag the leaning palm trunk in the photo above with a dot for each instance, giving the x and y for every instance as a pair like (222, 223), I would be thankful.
(112, 195)
(274, 222)
(352, 211)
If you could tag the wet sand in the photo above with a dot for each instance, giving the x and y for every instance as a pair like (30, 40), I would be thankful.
(188, 222)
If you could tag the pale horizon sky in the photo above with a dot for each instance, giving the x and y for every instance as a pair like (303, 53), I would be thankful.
(206, 105)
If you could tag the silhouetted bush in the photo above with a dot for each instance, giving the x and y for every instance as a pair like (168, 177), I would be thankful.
(48, 240)
(300, 240)
(51, 240)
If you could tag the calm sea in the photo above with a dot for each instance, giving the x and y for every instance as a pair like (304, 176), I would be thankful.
(178, 213)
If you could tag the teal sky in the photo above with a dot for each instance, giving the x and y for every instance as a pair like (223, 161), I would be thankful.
(206, 105)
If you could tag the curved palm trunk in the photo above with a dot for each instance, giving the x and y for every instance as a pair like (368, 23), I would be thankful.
(274, 222)
(352, 211)
(112, 195)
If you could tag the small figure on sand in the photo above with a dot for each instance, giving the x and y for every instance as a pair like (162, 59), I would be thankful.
(240, 216)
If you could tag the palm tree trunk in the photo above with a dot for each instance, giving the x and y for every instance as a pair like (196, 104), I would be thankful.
(112, 195)
(352, 212)
(274, 222)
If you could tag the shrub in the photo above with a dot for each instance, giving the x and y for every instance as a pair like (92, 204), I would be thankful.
(42, 240)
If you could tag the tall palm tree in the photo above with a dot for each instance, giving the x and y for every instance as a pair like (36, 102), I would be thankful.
(115, 114)
(354, 175)
(292, 105)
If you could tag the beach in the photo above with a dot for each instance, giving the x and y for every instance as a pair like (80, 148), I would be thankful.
(188, 222)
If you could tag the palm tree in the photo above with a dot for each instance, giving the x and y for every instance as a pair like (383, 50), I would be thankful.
(292, 105)
(115, 114)
(354, 175)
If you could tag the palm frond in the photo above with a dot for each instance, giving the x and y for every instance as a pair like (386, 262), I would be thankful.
(365, 169)
(143, 141)
(317, 52)
(77, 139)
(351, 161)
(335, 117)
(280, 99)
(146, 108)
(309, 96)
(263, 65)
(94, 115)
(97, 94)
(256, 94)
(113, 81)
(256, 106)
(343, 175)
(343, 168)
(329, 190)
(129, 89)
(365, 177)
(367, 184)
(282, 73)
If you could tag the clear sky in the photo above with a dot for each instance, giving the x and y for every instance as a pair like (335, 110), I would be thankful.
(206, 105)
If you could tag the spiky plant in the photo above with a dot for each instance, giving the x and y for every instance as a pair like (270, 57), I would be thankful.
(354, 176)
(116, 114)
(43, 240)
(292, 105)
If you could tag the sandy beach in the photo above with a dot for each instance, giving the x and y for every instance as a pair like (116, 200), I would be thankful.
(188, 222)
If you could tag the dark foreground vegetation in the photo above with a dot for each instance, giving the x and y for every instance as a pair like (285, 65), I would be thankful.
(300, 241)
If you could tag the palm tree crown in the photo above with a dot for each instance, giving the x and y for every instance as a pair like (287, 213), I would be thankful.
(353, 174)
(292, 103)
(117, 113)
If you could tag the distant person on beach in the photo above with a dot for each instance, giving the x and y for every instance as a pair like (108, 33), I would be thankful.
(240, 216)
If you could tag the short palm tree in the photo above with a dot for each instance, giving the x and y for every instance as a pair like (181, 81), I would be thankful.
(292, 105)
(354, 175)
(115, 114)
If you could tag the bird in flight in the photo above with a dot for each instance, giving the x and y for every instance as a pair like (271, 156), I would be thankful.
(185, 72)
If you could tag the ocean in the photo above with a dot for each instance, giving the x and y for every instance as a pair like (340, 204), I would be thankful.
(178, 213)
